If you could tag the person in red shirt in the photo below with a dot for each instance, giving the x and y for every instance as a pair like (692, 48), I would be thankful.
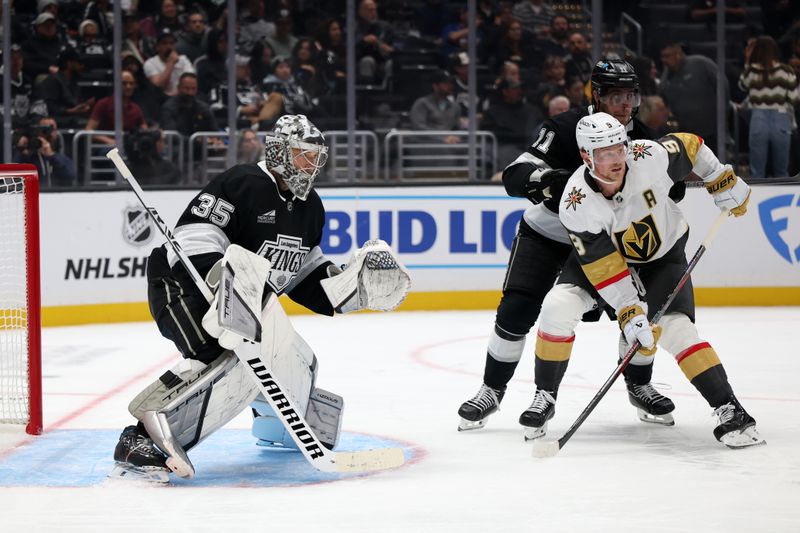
(102, 117)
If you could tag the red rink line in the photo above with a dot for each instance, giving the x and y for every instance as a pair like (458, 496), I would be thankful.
(419, 355)
(94, 403)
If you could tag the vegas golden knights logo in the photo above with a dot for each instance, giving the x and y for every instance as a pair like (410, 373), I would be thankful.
(640, 241)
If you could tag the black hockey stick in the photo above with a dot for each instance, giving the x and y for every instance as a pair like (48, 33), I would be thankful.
(249, 355)
(542, 448)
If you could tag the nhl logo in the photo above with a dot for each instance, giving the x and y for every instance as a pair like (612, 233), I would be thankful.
(137, 228)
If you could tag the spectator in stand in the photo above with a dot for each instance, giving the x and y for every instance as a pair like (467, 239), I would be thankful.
(458, 64)
(579, 63)
(184, 113)
(102, 117)
(575, 91)
(655, 114)
(514, 46)
(39, 145)
(375, 40)
(437, 111)
(249, 149)
(211, 68)
(254, 29)
(248, 96)
(23, 104)
(192, 41)
(144, 149)
(261, 58)
(285, 95)
(647, 73)
(773, 94)
(706, 11)
(689, 88)
(134, 42)
(166, 19)
(62, 94)
(794, 57)
(556, 41)
(557, 105)
(42, 49)
(146, 95)
(454, 35)
(166, 67)
(534, 15)
(333, 55)
(494, 30)
(552, 83)
(100, 12)
(306, 68)
(94, 49)
(283, 41)
(512, 120)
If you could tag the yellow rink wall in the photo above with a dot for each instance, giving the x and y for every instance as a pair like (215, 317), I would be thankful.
(68, 315)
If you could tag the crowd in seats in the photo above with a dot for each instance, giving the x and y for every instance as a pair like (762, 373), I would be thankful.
(533, 59)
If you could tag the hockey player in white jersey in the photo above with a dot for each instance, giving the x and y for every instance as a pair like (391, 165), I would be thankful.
(628, 238)
(265, 220)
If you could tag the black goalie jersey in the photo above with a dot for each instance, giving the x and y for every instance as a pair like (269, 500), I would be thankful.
(244, 206)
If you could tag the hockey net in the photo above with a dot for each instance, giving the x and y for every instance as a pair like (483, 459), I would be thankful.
(20, 322)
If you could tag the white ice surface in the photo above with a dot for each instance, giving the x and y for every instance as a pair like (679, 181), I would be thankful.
(403, 376)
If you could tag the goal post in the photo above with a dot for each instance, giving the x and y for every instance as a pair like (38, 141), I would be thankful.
(20, 299)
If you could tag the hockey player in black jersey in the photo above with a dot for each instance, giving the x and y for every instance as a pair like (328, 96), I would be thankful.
(270, 209)
(541, 247)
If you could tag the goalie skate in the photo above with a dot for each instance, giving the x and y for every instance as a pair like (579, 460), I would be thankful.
(534, 418)
(651, 406)
(736, 428)
(475, 412)
(149, 474)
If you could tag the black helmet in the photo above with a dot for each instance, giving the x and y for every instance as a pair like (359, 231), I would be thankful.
(614, 74)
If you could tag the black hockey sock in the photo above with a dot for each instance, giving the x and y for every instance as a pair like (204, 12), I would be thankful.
(549, 374)
(713, 385)
(638, 374)
(497, 374)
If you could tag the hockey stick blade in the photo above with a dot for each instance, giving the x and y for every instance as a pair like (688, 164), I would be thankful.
(545, 448)
(369, 460)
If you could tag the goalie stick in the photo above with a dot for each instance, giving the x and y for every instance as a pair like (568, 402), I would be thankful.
(542, 448)
(291, 418)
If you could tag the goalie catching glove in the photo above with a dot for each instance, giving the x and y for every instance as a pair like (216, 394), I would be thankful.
(372, 279)
(235, 313)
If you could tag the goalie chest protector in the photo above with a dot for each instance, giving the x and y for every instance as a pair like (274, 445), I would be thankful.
(246, 206)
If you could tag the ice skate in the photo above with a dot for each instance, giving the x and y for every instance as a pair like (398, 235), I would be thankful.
(475, 412)
(535, 417)
(652, 406)
(736, 428)
(138, 458)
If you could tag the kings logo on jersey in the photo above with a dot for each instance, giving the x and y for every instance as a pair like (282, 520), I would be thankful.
(136, 226)
(286, 254)
(640, 241)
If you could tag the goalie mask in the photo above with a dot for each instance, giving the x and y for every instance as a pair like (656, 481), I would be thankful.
(296, 150)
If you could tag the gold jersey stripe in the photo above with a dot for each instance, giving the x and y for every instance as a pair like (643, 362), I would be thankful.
(691, 143)
(697, 359)
(606, 270)
(552, 347)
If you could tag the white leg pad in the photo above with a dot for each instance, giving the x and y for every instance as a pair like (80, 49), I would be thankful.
(563, 308)
(504, 350)
(190, 402)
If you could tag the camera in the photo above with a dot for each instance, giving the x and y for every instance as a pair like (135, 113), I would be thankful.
(142, 144)
(34, 135)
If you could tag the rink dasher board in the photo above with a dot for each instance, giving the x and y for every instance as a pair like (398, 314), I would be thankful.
(455, 240)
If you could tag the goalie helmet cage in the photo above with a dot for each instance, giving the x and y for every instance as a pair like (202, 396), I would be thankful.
(20, 307)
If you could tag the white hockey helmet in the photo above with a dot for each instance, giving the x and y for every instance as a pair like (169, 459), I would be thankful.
(298, 133)
(599, 130)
